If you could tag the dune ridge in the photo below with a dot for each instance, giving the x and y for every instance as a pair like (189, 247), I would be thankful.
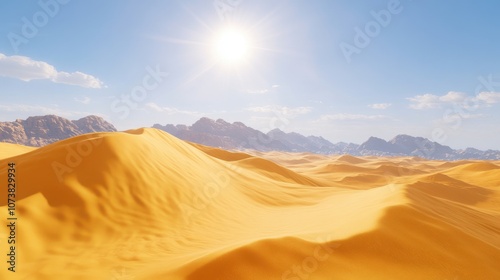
(143, 204)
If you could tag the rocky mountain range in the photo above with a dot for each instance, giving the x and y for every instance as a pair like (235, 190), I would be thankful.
(42, 130)
(219, 133)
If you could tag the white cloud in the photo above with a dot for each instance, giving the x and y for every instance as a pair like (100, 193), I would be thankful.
(269, 117)
(431, 101)
(154, 107)
(472, 116)
(85, 100)
(30, 109)
(347, 117)
(169, 111)
(27, 69)
(263, 90)
(453, 97)
(316, 101)
(281, 110)
(257, 91)
(425, 101)
(489, 97)
(43, 110)
(77, 79)
(380, 106)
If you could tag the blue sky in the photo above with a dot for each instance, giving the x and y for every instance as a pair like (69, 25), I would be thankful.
(342, 69)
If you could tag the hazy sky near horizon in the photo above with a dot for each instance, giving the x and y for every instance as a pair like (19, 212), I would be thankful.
(342, 69)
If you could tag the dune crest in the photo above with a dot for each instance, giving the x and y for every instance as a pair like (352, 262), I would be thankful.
(143, 204)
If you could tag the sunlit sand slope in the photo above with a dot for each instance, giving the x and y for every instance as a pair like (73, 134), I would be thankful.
(10, 150)
(143, 204)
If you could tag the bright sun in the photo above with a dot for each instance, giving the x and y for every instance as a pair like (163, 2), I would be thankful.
(231, 46)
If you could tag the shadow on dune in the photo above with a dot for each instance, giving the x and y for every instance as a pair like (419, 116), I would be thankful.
(264, 259)
(439, 234)
(407, 244)
(445, 187)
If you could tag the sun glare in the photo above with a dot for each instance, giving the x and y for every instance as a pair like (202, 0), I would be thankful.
(231, 46)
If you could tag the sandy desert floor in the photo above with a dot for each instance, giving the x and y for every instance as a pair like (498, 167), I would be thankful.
(142, 204)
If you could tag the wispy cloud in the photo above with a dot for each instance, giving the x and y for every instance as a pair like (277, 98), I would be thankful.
(44, 110)
(472, 116)
(85, 100)
(489, 97)
(347, 117)
(425, 101)
(380, 106)
(257, 91)
(169, 110)
(263, 90)
(27, 69)
(77, 79)
(431, 101)
(281, 110)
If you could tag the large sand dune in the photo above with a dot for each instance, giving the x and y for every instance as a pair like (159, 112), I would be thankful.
(142, 204)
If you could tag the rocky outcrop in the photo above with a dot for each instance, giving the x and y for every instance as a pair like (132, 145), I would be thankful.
(42, 130)
(219, 133)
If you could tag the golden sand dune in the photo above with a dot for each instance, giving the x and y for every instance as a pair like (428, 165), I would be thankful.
(142, 204)
(9, 150)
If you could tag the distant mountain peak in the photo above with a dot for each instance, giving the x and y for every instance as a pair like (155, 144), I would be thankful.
(204, 120)
(43, 130)
(237, 135)
(377, 144)
(276, 130)
(221, 121)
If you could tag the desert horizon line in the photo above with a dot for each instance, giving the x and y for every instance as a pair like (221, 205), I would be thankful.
(158, 125)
